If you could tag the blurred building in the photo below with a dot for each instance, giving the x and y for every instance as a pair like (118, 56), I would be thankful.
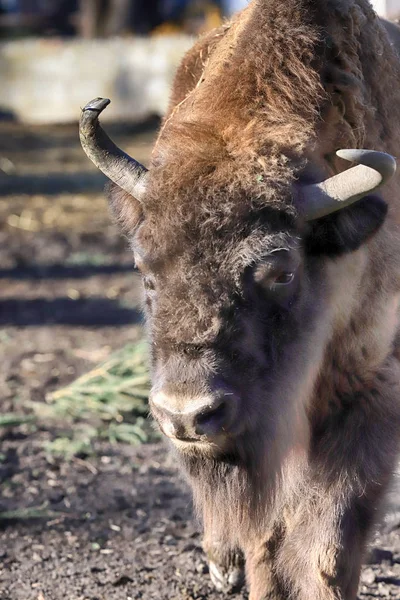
(108, 18)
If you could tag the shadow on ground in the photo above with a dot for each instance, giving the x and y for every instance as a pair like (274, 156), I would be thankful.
(60, 271)
(90, 312)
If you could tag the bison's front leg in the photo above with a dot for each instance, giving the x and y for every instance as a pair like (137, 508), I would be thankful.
(320, 552)
(260, 566)
(321, 555)
(226, 565)
(327, 517)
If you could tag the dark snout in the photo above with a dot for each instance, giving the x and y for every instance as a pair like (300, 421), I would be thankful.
(205, 418)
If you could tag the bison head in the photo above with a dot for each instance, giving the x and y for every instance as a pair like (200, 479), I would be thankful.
(240, 294)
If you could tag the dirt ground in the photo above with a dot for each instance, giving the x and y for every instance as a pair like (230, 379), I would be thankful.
(117, 524)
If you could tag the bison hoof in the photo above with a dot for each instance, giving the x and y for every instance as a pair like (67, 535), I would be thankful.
(228, 581)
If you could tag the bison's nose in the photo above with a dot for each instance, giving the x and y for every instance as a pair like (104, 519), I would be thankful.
(193, 420)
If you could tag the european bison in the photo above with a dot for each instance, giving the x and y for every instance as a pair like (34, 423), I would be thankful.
(272, 279)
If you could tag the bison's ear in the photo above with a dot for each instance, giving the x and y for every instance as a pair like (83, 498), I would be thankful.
(126, 210)
(347, 229)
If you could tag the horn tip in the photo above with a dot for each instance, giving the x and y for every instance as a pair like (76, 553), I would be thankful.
(380, 160)
(97, 104)
(90, 115)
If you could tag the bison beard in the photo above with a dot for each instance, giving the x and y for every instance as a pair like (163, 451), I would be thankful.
(230, 492)
(249, 210)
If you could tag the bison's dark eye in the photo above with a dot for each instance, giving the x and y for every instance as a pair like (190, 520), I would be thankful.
(277, 273)
(271, 278)
(284, 278)
(278, 283)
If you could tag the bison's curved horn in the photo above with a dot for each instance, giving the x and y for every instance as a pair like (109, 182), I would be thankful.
(113, 162)
(373, 170)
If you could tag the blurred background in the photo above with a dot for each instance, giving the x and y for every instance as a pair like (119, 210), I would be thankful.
(105, 18)
(90, 504)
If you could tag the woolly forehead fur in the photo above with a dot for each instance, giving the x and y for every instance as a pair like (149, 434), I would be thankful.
(245, 125)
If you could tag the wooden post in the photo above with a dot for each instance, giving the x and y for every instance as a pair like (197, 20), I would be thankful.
(117, 20)
(91, 13)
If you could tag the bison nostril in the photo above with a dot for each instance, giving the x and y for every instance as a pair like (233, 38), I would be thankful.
(212, 421)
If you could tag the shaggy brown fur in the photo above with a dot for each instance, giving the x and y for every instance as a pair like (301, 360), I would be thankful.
(258, 107)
